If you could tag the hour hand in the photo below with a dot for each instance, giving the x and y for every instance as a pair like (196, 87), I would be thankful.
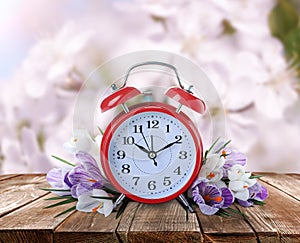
(141, 148)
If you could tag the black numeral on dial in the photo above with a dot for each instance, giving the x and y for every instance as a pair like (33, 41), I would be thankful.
(128, 140)
(121, 154)
(136, 179)
(125, 168)
(179, 138)
(168, 128)
(177, 171)
(153, 124)
(167, 181)
(182, 155)
(152, 185)
(138, 128)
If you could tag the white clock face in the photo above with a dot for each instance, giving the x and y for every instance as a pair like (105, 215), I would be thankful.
(152, 155)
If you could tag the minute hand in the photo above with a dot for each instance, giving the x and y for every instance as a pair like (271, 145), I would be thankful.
(167, 146)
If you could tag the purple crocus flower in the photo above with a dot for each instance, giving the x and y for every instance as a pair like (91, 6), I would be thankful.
(58, 179)
(257, 192)
(85, 176)
(232, 157)
(210, 198)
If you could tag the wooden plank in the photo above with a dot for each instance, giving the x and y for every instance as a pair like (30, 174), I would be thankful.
(87, 227)
(278, 220)
(17, 191)
(32, 223)
(225, 229)
(7, 176)
(126, 221)
(288, 183)
(163, 223)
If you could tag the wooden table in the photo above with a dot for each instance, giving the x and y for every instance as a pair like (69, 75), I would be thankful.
(24, 219)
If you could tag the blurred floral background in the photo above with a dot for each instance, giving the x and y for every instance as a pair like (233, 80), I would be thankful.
(250, 49)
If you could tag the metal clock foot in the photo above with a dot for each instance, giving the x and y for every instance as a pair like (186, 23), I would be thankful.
(183, 200)
(119, 200)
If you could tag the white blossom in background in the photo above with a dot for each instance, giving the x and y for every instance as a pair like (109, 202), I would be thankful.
(231, 40)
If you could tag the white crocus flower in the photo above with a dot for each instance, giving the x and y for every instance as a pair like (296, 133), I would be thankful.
(240, 182)
(212, 170)
(86, 203)
(82, 141)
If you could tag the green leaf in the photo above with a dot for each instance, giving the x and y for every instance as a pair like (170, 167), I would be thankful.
(109, 190)
(207, 151)
(62, 203)
(100, 130)
(283, 18)
(228, 28)
(214, 143)
(66, 211)
(106, 198)
(224, 145)
(237, 212)
(256, 202)
(62, 160)
(223, 213)
(186, 214)
(225, 180)
(55, 190)
(292, 45)
(58, 198)
(255, 176)
(204, 158)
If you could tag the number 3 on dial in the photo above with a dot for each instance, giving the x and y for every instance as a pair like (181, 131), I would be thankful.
(151, 154)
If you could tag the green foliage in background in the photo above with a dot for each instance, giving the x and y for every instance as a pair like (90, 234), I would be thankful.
(284, 22)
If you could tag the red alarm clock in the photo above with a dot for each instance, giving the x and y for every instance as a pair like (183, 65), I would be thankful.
(151, 152)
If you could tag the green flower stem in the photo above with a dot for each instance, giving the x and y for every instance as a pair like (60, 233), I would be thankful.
(63, 160)
(255, 176)
(105, 198)
(62, 203)
(55, 190)
(100, 130)
(58, 198)
(225, 144)
(66, 211)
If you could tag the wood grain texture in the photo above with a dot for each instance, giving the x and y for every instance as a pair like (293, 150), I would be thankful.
(7, 176)
(87, 227)
(278, 220)
(126, 221)
(163, 223)
(24, 219)
(289, 183)
(225, 229)
(17, 191)
(32, 223)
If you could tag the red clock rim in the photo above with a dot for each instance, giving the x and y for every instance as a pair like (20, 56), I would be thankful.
(148, 107)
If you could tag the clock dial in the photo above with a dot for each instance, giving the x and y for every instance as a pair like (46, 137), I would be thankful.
(152, 154)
